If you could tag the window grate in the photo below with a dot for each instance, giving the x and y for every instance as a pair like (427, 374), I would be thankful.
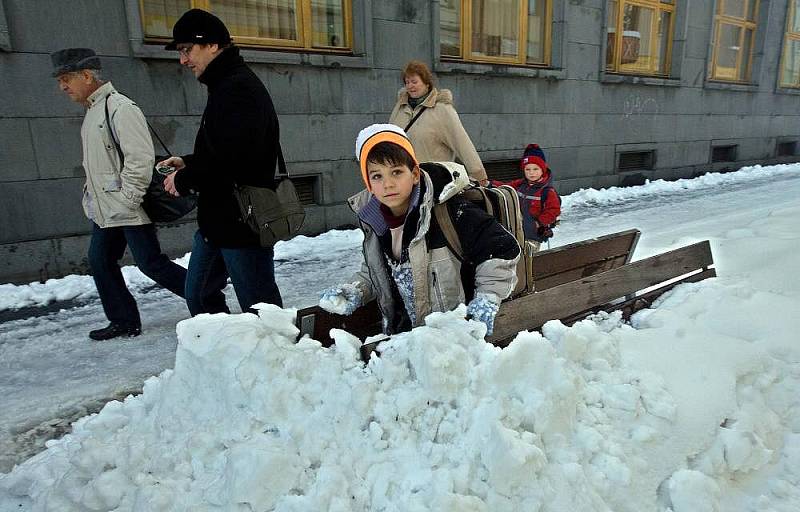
(636, 160)
(503, 170)
(305, 185)
(723, 153)
(787, 148)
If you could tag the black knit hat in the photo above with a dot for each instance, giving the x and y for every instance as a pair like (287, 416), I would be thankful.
(198, 26)
(74, 59)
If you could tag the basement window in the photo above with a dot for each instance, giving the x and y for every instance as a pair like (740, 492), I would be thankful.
(636, 160)
(723, 153)
(786, 148)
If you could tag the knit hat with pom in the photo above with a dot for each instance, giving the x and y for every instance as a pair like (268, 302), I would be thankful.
(533, 155)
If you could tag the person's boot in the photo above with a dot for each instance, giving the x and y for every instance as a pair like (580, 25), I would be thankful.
(114, 331)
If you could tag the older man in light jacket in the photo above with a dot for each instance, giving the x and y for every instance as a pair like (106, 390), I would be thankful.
(118, 159)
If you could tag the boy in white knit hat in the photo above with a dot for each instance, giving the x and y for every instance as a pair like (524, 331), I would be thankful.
(408, 266)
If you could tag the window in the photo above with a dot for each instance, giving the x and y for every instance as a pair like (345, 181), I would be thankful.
(295, 24)
(640, 36)
(734, 31)
(513, 32)
(790, 62)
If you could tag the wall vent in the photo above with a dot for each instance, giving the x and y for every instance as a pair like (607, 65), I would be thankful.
(636, 160)
(305, 185)
(503, 170)
(723, 153)
(788, 148)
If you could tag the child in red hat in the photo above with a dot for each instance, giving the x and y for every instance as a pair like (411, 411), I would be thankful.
(539, 201)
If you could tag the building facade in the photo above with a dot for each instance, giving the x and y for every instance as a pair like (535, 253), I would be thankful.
(615, 91)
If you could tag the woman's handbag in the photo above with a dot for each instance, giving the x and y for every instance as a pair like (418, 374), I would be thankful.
(158, 204)
(272, 214)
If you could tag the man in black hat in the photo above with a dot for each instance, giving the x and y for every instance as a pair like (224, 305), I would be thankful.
(118, 161)
(237, 144)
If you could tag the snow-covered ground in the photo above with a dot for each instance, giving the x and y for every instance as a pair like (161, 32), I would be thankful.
(693, 406)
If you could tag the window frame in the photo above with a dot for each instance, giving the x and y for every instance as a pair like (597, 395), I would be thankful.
(744, 24)
(465, 39)
(303, 43)
(658, 6)
(787, 37)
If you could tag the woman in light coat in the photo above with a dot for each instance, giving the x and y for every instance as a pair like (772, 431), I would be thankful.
(436, 132)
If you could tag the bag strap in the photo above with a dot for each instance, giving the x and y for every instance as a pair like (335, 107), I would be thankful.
(280, 172)
(164, 146)
(116, 143)
(448, 229)
(114, 138)
(414, 119)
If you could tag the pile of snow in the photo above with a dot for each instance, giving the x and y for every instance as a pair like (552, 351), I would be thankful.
(333, 248)
(690, 405)
(71, 287)
(708, 181)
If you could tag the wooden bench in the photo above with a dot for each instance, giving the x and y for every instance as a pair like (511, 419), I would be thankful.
(549, 269)
(628, 287)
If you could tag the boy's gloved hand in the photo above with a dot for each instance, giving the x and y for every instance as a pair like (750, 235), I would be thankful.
(484, 308)
(545, 232)
(342, 300)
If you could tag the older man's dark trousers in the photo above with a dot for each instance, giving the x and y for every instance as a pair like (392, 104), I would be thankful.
(105, 251)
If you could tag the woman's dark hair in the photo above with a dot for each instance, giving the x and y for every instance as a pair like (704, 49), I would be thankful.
(387, 153)
(419, 68)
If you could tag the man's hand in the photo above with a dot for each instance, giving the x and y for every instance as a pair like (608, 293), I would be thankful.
(169, 184)
(175, 162)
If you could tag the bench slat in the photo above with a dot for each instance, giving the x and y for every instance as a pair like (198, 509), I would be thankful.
(568, 258)
(533, 310)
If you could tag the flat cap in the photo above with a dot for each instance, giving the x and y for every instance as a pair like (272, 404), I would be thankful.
(74, 59)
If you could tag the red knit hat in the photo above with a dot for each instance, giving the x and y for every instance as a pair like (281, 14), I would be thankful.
(533, 155)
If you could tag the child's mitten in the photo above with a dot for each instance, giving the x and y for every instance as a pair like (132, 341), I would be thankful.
(484, 308)
(342, 300)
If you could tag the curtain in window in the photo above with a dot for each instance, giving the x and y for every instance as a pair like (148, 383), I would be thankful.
(495, 28)
(273, 19)
(161, 15)
(328, 21)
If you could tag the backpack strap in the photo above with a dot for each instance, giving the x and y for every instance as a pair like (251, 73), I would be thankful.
(448, 229)
(545, 191)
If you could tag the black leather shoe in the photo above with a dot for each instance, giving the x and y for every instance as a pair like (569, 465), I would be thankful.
(115, 331)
